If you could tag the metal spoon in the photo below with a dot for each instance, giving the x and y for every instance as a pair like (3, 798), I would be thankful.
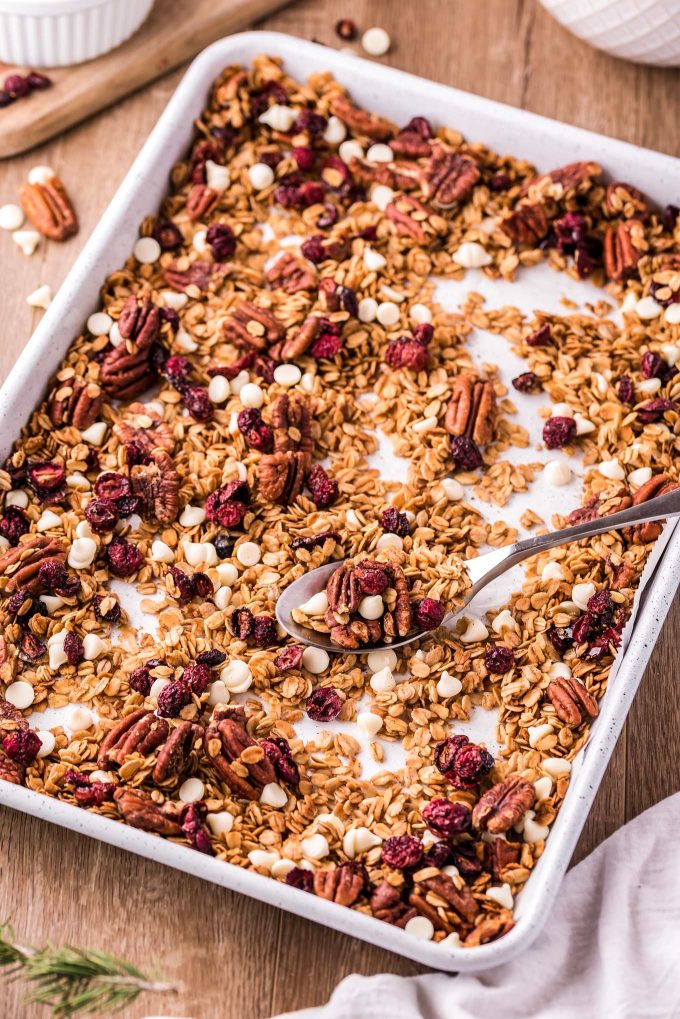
(481, 570)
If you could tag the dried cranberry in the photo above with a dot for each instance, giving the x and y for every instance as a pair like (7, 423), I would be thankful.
(310, 121)
(176, 370)
(173, 698)
(346, 29)
(560, 638)
(323, 490)
(123, 557)
(224, 545)
(315, 540)
(570, 232)
(46, 479)
(600, 603)
(198, 403)
(73, 648)
(395, 522)
(304, 157)
(462, 763)
(406, 353)
(5, 98)
(324, 704)
(193, 827)
(421, 126)
(17, 86)
(583, 628)
(101, 515)
(136, 453)
(465, 858)
(429, 614)
(402, 851)
(227, 506)
(242, 623)
(168, 235)
(222, 241)
(527, 382)
(654, 410)
(326, 347)
(373, 577)
(196, 677)
(30, 649)
(328, 217)
(313, 249)
(500, 182)
(202, 585)
(438, 855)
(499, 659)
(540, 338)
(141, 681)
(264, 631)
(652, 365)
(21, 603)
(289, 658)
(558, 431)
(300, 878)
(655, 289)
(55, 579)
(184, 588)
(446, 818)
(13, 524)
(211, 658)
(128, 504)
(256, 433)
(39, 81)
(22, 746)
(465, 453)
(625, 389)
(277, 749)
(111, 486)
(86, 792)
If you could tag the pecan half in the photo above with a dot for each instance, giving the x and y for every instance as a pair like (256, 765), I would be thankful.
(527, 225)
(343, 591)
(75, 402)
(570, 178)
(124, 375)
(252, 327)
(354, 634)
(291, 420)
(199, 274)
(460, 899)
(282, 476)
(175, 755)
(399, 621)
(144, 426)
(584, 514)
(361, 121)
(503, 805)
(19, 566)
(49, 209)
(299, 342)
(157, 483)
(411, 217)
(623, 248)
(395, 175)
(139, 810)
(490, 928)
(343, 884)
(388, 905)
(290, 274)
(449, 178)
(200, 201)
(139, 322)
(138, 733)
(238, 759)
(472, 409)
(571, 701)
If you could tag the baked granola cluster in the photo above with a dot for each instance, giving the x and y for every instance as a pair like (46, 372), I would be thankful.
(207, 441)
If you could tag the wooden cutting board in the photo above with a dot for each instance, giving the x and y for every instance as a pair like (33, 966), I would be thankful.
(175, 31)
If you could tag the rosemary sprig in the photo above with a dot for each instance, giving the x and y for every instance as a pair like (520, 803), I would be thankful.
(71, 980)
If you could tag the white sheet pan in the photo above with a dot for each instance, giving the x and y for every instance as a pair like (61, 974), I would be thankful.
(399, 96)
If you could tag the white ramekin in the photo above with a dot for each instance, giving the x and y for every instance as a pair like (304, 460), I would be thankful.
(644, 31)
(54, 33)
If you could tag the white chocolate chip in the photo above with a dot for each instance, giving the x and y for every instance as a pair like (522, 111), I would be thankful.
(47, 742)
(20, 694)
(556, 767)
(451, 940)
(317, 605)
(241, 380)
(93, 647)
(40, 174)
(378, 660)
(248, 554)
(261, 176)
(171, 299)
(217, 176)
(218, 693)
(349, 150)
(55, 650)
(376, 42)
(382, 196)
(95, 434)
(273, 795)
(17, 497)
(251, 395)
(472, 255)
(532, 831)
(501, 894)
(389, 541)
(611, 469)
(191, 516)
(222, 597)
(543, 787)
(371, 607)
(83, 529)
(199, 241)
(282, 867)
(191, 790)
(368, 309)
(26, 240)
(647, 308)
(475, 631)
(672, 316)
(648, 387)
(315, 847)
(503, 621)
(157, 686)
(388, 313)
(78, 718)
(639, 477)
(538, 732)
(315, 660)
(161, 553)
(629, 301)
(115, 339)
(279, 117)
(287, 375)
(185, 342)
(227, 574)
(335, 132)
(359, 840)
(581, 594)
(552, 571)
(263, 859)
(420, 314)
(369, 723)
(11, 217)
(52, 603)
(424, 425)
(583, 425)
(562, 410)
(379, 153)
(236, 676)
(557, 473)
(448, 685)
(559, 670)
(99, 323)
(147, 250)
(82, 553)
(40, 298)
(420, 927)
(200, 553)
(383, 681)
(78, 481)
(307, 382)
(218, 389)
(48, 520)
(220, 823)
(373, 260)
(452, 489)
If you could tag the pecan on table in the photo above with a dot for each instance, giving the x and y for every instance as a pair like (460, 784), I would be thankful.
(176, 753)
(124, 375)
(623, 247)
(343, 884)
(472, 409)
(527, 225)
(140, 732)
(139, 810)
(449, 178)
(660, 484)
(571, 701)
(388, 905)
(144, 426)
(490, 928)
(157, 483)
(252, 327)
(290, 274)
(74, 402)
(19, 566)
(503, 805)
(238, 760)
(139, 322)
(291, 420)
(459, 899)
(296, 345)
(360, 121)
(282, 476)
(200, 201)
(49, 209)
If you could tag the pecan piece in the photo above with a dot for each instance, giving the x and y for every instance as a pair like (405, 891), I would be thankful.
(200, 201)
(660, 484)
(403, 614)
(75, 402)
(199, 274)
(425, 908)
(527, 224)
(410, 217)
(299, 343)
(360, 121)
(490, 928)
(238, 759)
(398, 176)
(343, 591)
(19, 566)
(138, 733)
(343, 884)
(145, 427)
(460, 899)
(571, 701)
(11, 771)
(503, 805)
(388, 905)
(472, 409)
(584, 514)
(157, 484)
(139, 322)
(139, 810)
(250, 326)
(569, 178)
(501, 854)
(290, 274)
(282, 476)
(449, 178)
(291, 420)
(175, 755)
(124, 375)
(11, 718)
(49, 209)
(623, 248)
(625, 200)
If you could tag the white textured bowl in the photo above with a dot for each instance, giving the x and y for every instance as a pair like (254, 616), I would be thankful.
(54, 33)
(644, 31)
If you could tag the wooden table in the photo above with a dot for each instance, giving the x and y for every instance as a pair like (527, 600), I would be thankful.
(236, 958)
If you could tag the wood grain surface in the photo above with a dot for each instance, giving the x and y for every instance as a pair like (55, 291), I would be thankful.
(236, 958)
